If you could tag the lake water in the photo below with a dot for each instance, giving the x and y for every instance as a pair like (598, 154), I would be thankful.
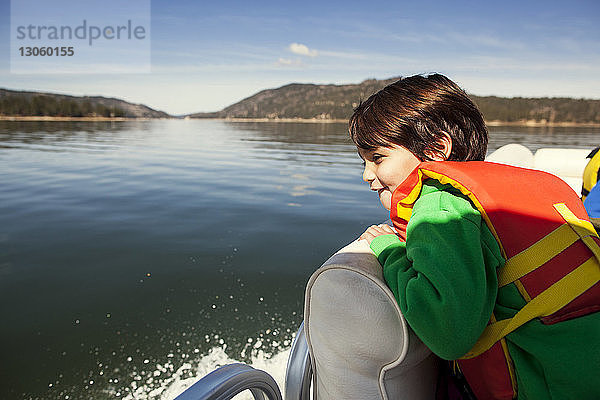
(137, 256)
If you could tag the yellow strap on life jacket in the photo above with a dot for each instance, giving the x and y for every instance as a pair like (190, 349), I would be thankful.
(548, 302)
(583, 228)
(556, 296)
(547, 247)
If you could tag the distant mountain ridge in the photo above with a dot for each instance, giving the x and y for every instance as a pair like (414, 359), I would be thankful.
(298, 101)
(337, 102)
(301, 100)
(25, 103)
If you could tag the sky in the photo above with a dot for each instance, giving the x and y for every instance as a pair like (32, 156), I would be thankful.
(206, 55)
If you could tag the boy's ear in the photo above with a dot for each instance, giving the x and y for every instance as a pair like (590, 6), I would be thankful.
(445, 143)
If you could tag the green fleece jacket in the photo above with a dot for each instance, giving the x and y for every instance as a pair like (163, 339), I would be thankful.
(444, 279)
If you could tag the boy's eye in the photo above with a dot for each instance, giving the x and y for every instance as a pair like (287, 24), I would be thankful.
(377, 158)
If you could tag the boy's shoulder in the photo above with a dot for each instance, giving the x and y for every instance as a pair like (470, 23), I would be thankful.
(436, 196)
(434, 188)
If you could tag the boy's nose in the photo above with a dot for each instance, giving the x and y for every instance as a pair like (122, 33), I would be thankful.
(368, 175)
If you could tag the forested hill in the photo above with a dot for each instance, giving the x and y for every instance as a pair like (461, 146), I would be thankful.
(21, 103)
(310, 101)
(301, 100)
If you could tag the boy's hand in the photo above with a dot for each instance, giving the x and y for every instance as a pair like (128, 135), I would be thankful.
(377, 230)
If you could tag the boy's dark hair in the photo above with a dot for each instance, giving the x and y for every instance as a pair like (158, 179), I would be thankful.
(415, 112)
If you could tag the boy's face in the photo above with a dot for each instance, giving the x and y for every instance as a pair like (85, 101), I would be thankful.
(386, 168)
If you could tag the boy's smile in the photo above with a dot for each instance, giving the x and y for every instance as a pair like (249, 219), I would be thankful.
(386, 168)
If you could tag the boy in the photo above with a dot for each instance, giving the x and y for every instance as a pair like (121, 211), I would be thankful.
(494, 267)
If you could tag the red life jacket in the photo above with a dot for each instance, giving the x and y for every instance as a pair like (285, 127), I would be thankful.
(544, 233)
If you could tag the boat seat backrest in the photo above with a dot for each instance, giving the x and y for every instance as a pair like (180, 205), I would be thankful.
(567, 164)
(359, 342)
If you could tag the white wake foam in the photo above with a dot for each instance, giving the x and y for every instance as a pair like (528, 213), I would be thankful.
(174, 382)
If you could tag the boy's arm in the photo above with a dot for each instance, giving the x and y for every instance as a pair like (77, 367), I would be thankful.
(441, 280)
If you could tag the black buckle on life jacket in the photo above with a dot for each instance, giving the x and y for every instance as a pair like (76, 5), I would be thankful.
(452, 384)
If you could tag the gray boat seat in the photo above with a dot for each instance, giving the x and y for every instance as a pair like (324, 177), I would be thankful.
(360, 345)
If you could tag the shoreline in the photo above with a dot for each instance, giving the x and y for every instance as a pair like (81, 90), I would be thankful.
(496, 123)
(529, 123)
(299, 120)
(61, 119)
(537, 124)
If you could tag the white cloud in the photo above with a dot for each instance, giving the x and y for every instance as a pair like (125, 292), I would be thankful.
(288, 62)
(303, 50)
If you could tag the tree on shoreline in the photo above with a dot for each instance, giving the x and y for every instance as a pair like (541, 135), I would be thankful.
(48, 106)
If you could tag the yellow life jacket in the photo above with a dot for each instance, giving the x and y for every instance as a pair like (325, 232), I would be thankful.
(591, 172)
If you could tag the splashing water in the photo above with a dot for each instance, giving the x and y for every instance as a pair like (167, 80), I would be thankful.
(216, 358)
(165, 382)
